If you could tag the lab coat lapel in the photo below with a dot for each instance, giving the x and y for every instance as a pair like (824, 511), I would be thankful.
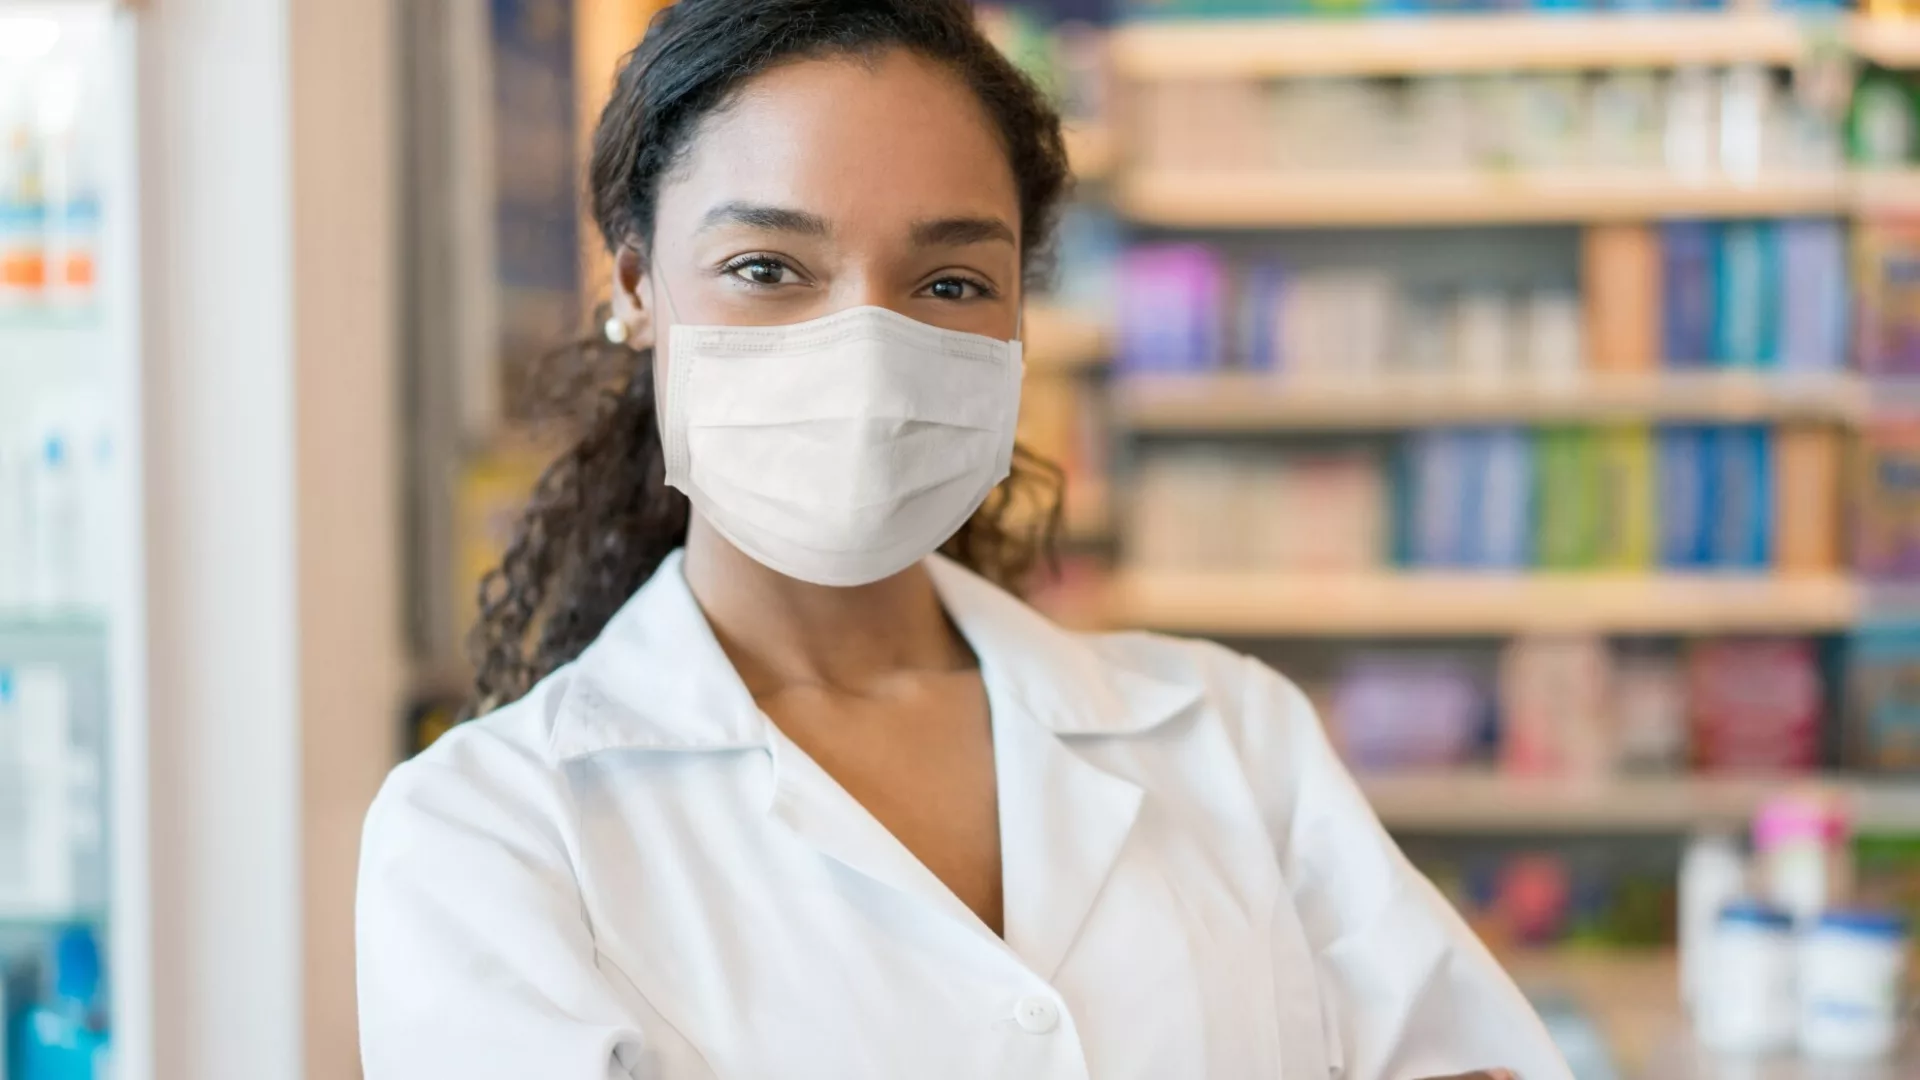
(824, 815)
(1063, 825)
(1064, 821)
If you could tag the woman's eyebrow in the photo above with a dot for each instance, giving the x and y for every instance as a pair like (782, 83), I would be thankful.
(961, 231)
(772, 218)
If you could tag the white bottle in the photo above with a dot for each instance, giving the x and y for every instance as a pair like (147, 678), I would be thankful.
(1554, 332)
(35, 752)
(1853, 967)
(1746, 1003)
(100, 526)
(1712, 875)
(16, 538)
(59, 551)
(1746, 107)
(1692, 125)
(1483, 335)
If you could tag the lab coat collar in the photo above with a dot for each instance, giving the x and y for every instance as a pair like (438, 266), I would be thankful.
(1070, 688)
(657, 679)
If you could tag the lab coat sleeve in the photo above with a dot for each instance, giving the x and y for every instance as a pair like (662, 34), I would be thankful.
(1408, 990)
(475, 958)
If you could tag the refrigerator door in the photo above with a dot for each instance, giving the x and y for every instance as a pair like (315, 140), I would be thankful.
(72, 756)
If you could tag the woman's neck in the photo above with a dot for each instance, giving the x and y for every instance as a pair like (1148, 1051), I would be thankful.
(781, 633)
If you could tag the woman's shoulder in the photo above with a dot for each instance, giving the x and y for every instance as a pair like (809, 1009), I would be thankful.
(498, 763)
(1231, 681)
(1267, 718)
(1264, 720)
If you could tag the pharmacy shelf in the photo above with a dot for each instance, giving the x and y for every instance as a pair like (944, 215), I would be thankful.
(1269, 403)
(1893, 43)
(1275, 48)
(1633, 996)
(1482, 802)
(1092, 151)
(1427, 604)
(17, 319)
(1298, 200)
(1886, 191)
(1059, 339)
(42, 622)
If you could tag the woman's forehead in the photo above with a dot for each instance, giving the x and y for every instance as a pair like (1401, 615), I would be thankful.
(859, 143)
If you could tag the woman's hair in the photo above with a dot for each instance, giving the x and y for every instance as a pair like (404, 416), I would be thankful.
(601, 518)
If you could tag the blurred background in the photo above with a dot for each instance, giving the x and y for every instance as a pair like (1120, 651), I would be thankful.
(1582, 338)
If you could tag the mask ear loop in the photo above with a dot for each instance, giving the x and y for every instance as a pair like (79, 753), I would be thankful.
(664, 392)
(673, 311)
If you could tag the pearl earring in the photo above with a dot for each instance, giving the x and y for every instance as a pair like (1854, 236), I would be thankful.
(617, 331)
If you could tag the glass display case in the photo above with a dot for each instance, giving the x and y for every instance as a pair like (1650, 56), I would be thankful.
(71, 907)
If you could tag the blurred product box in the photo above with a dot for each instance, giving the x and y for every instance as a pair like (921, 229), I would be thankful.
(1068, 59)
(1557, 707)
(1620, 280)
(1198, 508)
(1883, 710)
(1887, 259)
(1888, 869)
(1887, 499)
(1748, 282)
(1807, 509)
(1171, 309)
(1755, 705)
(1060, 422)
(1758, 296)
(1883, 125)
(1569, 500)
(1716, 497)
(1688, 252)
(1393, 711)
(1624, 490)
(1743, 123)
(1812, 296)
(1650, 711)
(1515, 894)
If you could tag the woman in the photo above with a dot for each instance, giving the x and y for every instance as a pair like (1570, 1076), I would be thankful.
(773, 790)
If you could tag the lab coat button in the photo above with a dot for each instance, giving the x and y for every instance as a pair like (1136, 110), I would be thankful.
(1036, 1015)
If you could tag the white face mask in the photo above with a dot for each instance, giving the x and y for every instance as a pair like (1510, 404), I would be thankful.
(844, 450)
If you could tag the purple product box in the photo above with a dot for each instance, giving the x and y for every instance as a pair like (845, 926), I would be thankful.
(1170, 309)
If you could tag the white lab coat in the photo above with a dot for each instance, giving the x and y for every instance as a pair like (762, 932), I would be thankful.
(632, 874)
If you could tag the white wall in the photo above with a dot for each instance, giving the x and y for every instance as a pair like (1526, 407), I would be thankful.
(272, 468)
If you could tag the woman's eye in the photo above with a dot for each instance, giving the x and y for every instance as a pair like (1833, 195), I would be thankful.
(765, 272)
(955, 289)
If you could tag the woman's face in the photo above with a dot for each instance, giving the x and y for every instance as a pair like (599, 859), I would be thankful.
(832, 184)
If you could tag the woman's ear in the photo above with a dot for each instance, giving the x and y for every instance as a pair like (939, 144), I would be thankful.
(630, 309)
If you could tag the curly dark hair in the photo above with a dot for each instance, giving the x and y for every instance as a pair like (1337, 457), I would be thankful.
(602, 518)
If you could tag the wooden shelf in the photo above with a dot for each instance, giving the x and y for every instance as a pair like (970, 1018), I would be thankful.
(1273, 48)
(1274, 403)
(1429, 604)
(1633, 996)
(1886, 191)
(1893, 43)
(1092, 152)
(1059, 339)
(1377, 198)
(1482, 802)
